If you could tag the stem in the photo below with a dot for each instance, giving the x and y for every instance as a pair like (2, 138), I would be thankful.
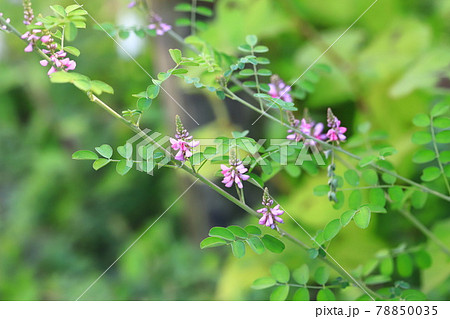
(441, 168)
(425, 231)
(193, 10)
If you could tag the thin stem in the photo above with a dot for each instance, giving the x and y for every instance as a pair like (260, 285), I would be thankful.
(376, 186)
(193, 12)
(441, 167)
(425, 230)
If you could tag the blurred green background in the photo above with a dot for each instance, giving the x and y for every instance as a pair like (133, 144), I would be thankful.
(62, 224)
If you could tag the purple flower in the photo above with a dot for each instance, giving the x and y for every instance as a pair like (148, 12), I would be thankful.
(132, 4)
(306, 126)
(183, 142)
(279, 90)
(158, 25)
(4, 27)
(270, 214)
(234, 173)
(336, 132)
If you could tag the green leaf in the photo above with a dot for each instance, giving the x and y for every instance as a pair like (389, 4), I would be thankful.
(183, 7)
(430, 174)
(325, 295)
(367, 160)
(238, 231)
(260, 49)
(301, 275)
(346, 217)
(362, 217)
(423, 156)
(123, 167)
(143, 104)
(264, 72)
(256, 245)
(245, 48)
(280, 293)
(82, 85)
(370, 176)
(84, 155)
(377, 279)
(238, 248)
(422, 259)
(251, 40)
(246, 72)
(387, 151)
(222, 233)
(313, 253)
(387, 266)
(321, 190)
(176, 55)
(404, 265)
(418, 199)
(421, 120)
(302, 294)
(263, 283)
(183, 22)
(204, 11)
(105, 150)
(152, 91)
(443, 137)
(125, 151)
(354, 200)
(413, 295)
(441, 122)
(439, 109)
(254, 230)
(210, 242)
(273, 244)
(98, 87)
(293, 170)
(280, 272)
(71, 8)
(58, 10)
(321, 275)
(376, 197)
(331, 229)
(123, 34)
(396, 193)
(72, 50)
(351, 176)
(421, 138)
(101, 162)
(70, 31)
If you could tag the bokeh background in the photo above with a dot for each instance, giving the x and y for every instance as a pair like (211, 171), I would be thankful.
(62, 224)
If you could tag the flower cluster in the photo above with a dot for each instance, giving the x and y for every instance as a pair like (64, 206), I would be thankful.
(336, 131)
(278, 89)
(158, 25)
(234, 173)
(270, 214)
(33, 36)
(306, 126)
(28, 15)
(4, 27)
(183, 142)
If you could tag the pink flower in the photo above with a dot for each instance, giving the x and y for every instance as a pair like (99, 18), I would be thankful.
(294, 136)
(132, 4)
(306, 127)
(158, 25)
(4, 27)
(234, 173)
(336, 132)
(183, 142)
(27, 12)
(270, 214)
(279, 90)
